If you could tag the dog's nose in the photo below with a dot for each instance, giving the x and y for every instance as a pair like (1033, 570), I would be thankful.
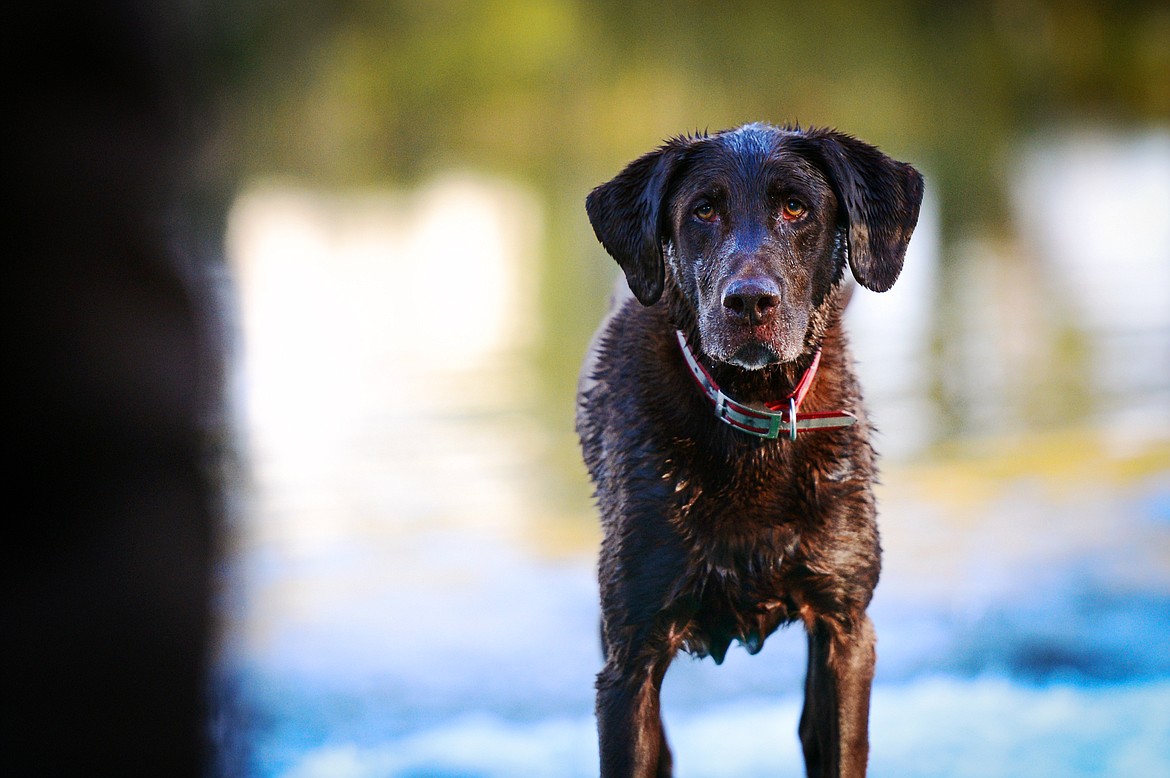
(752, 299)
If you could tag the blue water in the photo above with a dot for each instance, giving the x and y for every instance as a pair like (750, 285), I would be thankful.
(1033, 640)
(933, 727)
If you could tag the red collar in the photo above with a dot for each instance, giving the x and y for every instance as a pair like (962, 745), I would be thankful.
(773, 418)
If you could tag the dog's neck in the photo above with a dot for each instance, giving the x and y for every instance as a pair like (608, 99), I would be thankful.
(770, 419)
(772, 382)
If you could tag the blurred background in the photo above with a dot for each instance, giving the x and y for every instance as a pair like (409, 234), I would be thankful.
(302, 293)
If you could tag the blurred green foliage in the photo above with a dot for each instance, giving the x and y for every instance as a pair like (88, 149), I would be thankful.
(560, 93)
(550, 90)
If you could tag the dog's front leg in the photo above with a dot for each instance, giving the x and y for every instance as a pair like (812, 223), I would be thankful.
(629, 725)
(834, 726)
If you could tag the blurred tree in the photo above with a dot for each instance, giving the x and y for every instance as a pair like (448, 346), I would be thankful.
(107, 561)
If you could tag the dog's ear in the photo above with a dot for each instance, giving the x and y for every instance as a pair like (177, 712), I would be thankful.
(879, 196)
(628, 216)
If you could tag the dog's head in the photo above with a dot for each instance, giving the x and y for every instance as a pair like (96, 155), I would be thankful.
(754, 226)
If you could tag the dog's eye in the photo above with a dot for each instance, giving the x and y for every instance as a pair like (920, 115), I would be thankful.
(705, 212)
(793, 208)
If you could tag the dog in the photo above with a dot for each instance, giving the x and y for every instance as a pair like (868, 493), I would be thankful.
(722, 424)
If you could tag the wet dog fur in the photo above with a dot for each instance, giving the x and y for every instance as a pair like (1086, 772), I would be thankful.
(741, 240)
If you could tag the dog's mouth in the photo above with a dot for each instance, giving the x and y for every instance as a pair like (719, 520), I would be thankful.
(751, 347)
(753, 356)
(743, 348)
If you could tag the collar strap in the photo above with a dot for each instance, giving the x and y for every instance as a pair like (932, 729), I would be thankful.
(771, 420)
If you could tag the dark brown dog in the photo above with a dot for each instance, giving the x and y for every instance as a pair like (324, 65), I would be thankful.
(723, 522)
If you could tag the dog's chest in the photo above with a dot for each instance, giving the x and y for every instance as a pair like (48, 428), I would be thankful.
(743, 515)
(745, 602)
(743, 533)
